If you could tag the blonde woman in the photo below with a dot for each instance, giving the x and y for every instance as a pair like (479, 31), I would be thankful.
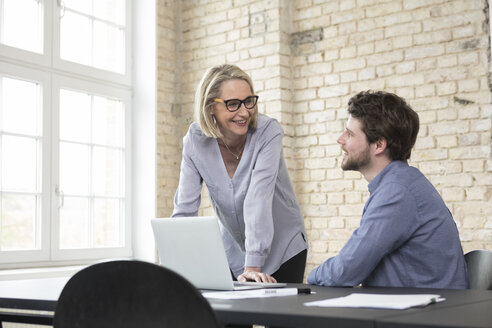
(238, 154)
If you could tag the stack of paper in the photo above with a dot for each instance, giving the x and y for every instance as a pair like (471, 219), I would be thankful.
(254, 293)
(379, 301)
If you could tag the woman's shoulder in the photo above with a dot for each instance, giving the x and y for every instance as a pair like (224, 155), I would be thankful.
(195, 138)
(195, 132)
(266, 123)
(194, 129)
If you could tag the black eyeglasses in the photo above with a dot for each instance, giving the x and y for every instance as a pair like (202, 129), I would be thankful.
(233, 105)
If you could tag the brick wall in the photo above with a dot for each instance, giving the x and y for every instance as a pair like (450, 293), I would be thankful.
(307, 58)
(169, 114)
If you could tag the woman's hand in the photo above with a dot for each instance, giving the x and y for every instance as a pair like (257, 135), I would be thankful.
(254, 274)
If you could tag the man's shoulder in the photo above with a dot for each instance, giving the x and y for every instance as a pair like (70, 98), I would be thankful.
(404, 174)
(409, 179)
(402, 178)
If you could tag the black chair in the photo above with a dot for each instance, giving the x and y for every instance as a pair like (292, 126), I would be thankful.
(479, 263)
(131, 294)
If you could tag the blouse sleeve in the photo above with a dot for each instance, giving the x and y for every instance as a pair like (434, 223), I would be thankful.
(188, 195)
(257, 209)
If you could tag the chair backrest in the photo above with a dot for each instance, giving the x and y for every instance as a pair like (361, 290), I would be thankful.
(131, 294)
(479, 263)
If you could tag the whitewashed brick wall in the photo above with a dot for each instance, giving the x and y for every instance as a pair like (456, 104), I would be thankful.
(169, 113)
(307, 58)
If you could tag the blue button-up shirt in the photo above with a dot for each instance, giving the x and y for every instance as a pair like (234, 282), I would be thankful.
(260, 218)
(407, 238)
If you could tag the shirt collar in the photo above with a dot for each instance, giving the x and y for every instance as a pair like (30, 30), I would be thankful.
(374, 184)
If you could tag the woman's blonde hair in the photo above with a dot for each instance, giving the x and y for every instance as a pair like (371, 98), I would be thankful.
(209, 89)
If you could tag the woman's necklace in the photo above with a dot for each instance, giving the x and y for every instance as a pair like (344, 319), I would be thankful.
(238, 155)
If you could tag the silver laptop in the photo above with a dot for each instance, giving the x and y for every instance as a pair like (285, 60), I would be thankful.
(192, 246)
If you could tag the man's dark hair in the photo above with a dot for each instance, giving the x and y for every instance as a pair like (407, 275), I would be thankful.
(384, 114)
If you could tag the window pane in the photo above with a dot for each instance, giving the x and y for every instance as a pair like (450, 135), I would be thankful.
(108, 118)
(91, 166)
(106, 222)
(21, 106)
(110, 10)
(17, 231)
(74, 168)
(84, 6)
(75, 116)
(107, 171)
(22, 24)
(75, 38)
(93, 34)
(108, 47)
(74, 223)
(20, 163)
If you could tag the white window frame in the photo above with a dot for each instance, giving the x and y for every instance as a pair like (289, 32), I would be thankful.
(61, 82)
(12, 54)
(43, 78)
(76, 68)
(54, 73)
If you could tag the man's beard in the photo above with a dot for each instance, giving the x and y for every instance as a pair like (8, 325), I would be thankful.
(357, 161)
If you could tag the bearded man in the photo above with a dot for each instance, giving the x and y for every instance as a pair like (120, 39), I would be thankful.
(407, 236)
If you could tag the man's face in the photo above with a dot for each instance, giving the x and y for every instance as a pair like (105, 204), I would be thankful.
(355, 147)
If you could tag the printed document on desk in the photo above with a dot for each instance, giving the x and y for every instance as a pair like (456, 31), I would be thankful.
(379, 301)
(255, 293)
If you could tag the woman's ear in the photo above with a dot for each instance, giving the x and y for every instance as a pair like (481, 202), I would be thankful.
(212, 111)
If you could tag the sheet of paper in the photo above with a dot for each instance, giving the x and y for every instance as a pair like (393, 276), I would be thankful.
(252, 293)
(379, 301)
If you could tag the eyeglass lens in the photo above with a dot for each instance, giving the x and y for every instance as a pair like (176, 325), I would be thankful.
(234, 104)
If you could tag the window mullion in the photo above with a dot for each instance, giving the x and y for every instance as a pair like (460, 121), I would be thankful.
(95, 18)
(91, 176)
(1, 20)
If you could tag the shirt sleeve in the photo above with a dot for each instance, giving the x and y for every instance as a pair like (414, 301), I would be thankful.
(388, 221)
(188, 195)
(257, 210)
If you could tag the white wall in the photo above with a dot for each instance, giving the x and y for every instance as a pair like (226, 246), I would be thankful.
(143, 127)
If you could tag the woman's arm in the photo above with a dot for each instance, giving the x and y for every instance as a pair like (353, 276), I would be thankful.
(188, 195)
(257, 208)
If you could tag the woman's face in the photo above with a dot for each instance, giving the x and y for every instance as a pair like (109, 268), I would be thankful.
(233, 124)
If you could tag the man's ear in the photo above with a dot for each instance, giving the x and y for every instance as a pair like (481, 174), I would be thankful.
(380, 145)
